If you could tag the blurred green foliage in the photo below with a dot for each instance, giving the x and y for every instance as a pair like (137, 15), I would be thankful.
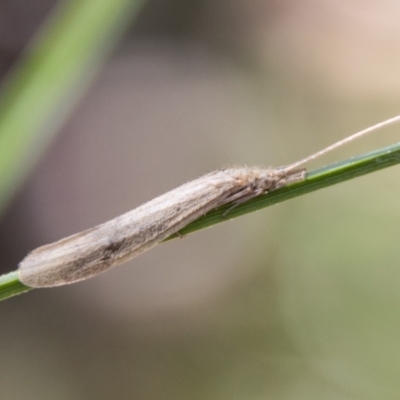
(46, 83)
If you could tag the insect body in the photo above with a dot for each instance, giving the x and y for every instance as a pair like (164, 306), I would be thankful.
(95, 250)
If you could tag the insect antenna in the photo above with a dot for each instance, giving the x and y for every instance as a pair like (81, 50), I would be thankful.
(342, 142)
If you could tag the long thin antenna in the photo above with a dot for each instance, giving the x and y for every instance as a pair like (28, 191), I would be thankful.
(343, 142)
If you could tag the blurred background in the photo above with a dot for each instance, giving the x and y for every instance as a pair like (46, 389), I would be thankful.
(297, 301)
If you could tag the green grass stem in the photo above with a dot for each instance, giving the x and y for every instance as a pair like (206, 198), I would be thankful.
(315, 180)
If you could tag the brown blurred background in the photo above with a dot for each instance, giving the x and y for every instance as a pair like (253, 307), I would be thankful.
(298, 301)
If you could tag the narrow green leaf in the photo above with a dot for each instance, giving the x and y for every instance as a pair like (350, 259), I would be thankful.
(44, 86)
(315, 180)
(11, 286)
